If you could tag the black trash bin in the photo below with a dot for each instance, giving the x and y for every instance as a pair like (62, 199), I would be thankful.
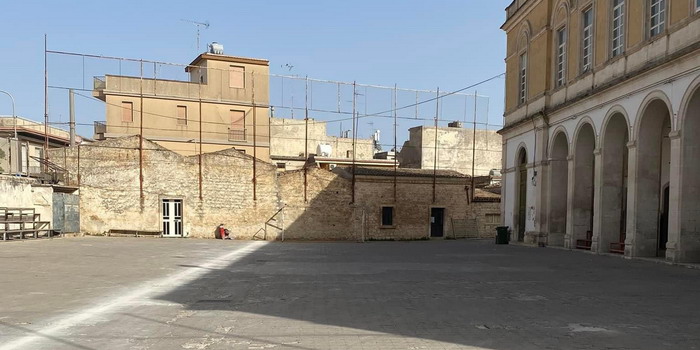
(502, 235)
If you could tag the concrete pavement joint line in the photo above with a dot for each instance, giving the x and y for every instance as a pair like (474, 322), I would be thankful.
(145, 291)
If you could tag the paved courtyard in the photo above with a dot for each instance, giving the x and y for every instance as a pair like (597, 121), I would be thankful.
(121, 293)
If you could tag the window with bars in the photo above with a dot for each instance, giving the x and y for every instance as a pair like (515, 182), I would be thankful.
(127, 111)
(587, 41)
(618, 27)
(181, 115)
(657, 17)
(561, 57)
(522, 89)
(237, 130)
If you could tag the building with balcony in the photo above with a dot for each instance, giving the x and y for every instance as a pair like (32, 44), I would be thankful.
(599, 144)
(22, 156)
(224, 104)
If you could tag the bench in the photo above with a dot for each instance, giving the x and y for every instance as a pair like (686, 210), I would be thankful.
(585, 243)
(619, 247)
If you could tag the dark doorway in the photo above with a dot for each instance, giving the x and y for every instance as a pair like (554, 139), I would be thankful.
(663, 222)
(437, 222)
(522, 195)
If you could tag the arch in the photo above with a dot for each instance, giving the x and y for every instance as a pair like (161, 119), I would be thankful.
(524, 35)
(521, 185)
(558, 188)
(522, 147)
(652, 128)
(559, 130)
(584, 145)
(687, 189)
(614, 110)
(581, 124)
(693, 88)
(560, 13)
(612, 215)
(650, 98)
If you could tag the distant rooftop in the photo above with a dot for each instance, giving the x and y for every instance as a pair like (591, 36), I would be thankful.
(227, 58)
(403, 172)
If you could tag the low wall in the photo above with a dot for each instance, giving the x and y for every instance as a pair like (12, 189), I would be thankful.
(22, 192)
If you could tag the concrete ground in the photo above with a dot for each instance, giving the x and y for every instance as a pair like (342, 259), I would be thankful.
(126, 293)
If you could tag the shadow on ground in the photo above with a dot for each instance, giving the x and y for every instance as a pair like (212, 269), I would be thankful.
(460, 292)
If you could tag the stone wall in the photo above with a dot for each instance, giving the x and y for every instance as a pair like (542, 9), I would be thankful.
(22, 192)
(108, 175)
(454, 150)
(325, 214)
(287, 139)
(412, 206)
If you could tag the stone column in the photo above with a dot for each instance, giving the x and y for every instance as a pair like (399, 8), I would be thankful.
(673, 246)
(597, 198)
(569, 237)
(631, 198)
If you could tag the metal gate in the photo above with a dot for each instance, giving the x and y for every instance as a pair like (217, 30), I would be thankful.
(66, 212)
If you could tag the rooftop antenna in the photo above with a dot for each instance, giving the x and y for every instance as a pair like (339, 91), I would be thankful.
(204, 24)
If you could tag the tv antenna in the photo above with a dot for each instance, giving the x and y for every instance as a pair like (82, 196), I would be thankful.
(204, 24)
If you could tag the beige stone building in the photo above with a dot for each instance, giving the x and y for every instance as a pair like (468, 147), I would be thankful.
(599, 143)
(20, 156)
(287, 138)
(454, 149)
(214, 105)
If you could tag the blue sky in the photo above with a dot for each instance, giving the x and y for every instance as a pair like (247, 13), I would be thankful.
(416, 44)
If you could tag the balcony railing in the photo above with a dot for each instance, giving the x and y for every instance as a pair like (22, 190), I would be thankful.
(236, 134)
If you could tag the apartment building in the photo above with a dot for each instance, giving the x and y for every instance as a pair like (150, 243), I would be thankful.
(224, 104)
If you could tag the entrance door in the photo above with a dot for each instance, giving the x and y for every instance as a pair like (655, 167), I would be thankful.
(663, 229)
(522, 203)
(437, 222)
(172, 217)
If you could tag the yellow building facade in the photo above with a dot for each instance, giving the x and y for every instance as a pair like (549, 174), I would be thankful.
(224, 104)
(599, 145)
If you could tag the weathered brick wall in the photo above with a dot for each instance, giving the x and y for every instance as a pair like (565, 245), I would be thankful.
(326, 214)
(412, 206)
(108, 175)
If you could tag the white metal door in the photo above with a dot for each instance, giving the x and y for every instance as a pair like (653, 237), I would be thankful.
(172, 217)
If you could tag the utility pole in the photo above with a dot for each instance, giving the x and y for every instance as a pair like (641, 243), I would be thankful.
(71, 109)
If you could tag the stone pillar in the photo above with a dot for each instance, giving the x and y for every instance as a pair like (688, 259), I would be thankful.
(597, 198)
(569, 237)
(673, 246)
(631, 198)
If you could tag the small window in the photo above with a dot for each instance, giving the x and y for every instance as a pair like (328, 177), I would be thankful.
(236, 77)
(587, 41)
(127, 112)
(618, 27)
(561, 57)
(348, 154)
(493, 218)
(237, 130)
(522, 88)
(282, 166)
(387, 216)
(657, 17)
(181, 115)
